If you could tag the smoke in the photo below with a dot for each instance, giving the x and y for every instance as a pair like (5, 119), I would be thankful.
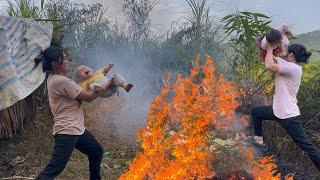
(127, 111)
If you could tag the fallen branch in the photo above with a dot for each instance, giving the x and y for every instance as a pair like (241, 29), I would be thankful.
(17, 177)
(312, 119)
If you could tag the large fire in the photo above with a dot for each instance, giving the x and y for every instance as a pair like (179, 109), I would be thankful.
(177, 139)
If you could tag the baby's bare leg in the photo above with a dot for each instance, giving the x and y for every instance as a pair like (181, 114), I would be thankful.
(109, 92)
(119, 81)
(109, 83)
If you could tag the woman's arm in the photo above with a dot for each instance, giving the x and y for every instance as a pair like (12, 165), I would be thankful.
(90, 95)
(269, 62)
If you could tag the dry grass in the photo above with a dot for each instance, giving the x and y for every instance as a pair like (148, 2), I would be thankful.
(281, 144)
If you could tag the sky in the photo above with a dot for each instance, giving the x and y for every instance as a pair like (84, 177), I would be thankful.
(303, 16)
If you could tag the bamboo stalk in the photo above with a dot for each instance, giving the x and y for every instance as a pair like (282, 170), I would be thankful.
(3, 125)
(12, 119)
(7, 130)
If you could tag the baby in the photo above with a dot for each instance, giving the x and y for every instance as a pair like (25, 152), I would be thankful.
(90, 80)
(277, 38)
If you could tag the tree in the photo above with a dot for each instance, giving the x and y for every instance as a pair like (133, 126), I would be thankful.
(244, 29)
(137, 13)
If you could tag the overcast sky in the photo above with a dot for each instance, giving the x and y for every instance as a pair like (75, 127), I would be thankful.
(303, 16)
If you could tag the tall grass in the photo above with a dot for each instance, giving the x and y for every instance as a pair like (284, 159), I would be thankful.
(25, 8)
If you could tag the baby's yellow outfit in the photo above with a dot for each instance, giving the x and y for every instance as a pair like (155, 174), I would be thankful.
(98, 77)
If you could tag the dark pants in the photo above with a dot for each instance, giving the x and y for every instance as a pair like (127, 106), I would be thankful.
(64, 145)
(292, 126)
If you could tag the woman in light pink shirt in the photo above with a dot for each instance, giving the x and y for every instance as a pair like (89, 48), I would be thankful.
(284, 109)
(65, 98)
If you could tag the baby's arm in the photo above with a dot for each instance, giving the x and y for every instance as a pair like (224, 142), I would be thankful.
(285, 41)
(285, 30)
(107, 69)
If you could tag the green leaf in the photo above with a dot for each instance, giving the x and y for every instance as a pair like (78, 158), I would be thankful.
(246, 13)
(226, 17)
(262, 15)
(107, 153)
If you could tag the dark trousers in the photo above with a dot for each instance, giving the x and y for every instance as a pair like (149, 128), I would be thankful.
(292, 126)
(64, 145)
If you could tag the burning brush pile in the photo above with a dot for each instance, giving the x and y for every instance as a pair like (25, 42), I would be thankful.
(191, 133)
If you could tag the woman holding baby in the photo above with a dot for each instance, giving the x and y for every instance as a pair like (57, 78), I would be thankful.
(284, 109)
(65, 98)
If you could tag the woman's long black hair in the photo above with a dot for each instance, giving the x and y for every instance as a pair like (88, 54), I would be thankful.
(52, 53)
(300, 52)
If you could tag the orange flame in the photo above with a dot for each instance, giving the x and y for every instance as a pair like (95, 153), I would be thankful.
(175, 137)
(266, 169)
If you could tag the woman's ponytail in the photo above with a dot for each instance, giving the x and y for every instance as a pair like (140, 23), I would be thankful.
(38, 59)
(52, 53)
(300, 52)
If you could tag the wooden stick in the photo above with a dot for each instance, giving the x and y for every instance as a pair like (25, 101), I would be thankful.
(47, 19)
(17, 177)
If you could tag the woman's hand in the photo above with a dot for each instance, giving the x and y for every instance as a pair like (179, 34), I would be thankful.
(98, 89)
(268, 45)
(270, 48)
(91, 95)
(269, 62)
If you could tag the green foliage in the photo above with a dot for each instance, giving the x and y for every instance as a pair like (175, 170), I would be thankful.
(199, 18)
(57, 33)
(24, 8)
(246, 28)
(250, 74)
(309, 94)
(246, 25)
